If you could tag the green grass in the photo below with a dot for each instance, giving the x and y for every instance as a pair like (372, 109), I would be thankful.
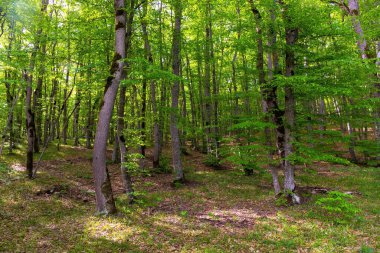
(218, 211)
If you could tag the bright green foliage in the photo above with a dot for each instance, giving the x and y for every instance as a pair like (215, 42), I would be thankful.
(338, 208)
(212, 161)
(73, 45)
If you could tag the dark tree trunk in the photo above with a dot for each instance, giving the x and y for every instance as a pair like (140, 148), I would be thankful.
(194, 122)
(176, 145)
(267, 94)
(143, 118)
(207, 81)
(156, 126)
(291, 34)
(65, 98)
(30, 128)
(11, 101)
(76, 117)
(38, 94)
(89, 121)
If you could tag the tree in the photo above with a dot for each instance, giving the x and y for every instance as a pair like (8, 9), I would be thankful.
(176, 65)
(104, 197)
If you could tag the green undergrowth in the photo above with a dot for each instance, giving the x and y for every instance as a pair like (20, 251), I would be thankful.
(214, 211)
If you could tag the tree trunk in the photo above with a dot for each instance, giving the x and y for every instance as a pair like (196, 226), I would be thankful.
(120, 124)
(377, 96)
(265, 92)
(201, 105)
(143, 118)
(65, 119)
(207, 81)
(353, 10)
(28, 76)
(192, 103)
(76, 117)
(30, 128)
(290, 110)
(104, 197)
(176, 53)
(215, 92)
(322, 113)
(11, 101)
(156, 127)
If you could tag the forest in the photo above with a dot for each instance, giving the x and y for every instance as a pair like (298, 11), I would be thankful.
(189, 126)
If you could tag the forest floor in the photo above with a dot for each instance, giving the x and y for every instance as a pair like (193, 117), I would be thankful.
(216, 211)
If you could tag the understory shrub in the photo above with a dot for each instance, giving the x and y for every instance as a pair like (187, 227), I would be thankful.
(337, 208)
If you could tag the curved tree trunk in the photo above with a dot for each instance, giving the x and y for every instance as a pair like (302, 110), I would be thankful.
(104, 197)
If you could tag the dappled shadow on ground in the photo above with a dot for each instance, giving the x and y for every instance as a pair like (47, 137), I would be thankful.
(215, 211)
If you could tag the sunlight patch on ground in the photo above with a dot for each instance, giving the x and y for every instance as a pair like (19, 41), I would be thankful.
(203, 172)
(110, 229)
(18, 167)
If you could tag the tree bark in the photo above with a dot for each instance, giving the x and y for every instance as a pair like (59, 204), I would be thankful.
(291, 34)
(30, 128)
(11, 101)
(65, 119)
(266, 93)
(156, 126)
(76, 117)
(28, 76)
(104, 197)
(176, 53)
(207, 81)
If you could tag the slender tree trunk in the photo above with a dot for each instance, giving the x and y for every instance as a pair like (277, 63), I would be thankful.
(156, 127)
(266, 101)
(215, 92)
(183, 110)
(29, 125)
(143, 118)
(161, 113)
(207, 81)
(9, 125)
(104, 196)
(65, 126)
(235, 93)
(11, 101)
(176, 145)
(89, 121)
(290, 103)
(38, 95)
(377, 95)
(353, 10)
(28, 76)
(76, 117)
(49, 132)
(202, 104)
(192, 103)
(322, 113)
(247, 102)
(38, 92)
